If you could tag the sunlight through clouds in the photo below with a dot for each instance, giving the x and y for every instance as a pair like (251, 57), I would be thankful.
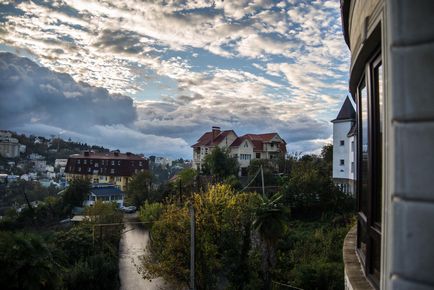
(254, 65)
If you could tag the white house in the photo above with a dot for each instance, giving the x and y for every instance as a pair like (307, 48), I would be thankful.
(105, 193)
(344, 148)
(269, 146)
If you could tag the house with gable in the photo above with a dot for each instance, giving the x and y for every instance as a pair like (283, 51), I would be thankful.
(269, 146)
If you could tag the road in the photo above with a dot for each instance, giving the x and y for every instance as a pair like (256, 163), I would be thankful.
(132, 246)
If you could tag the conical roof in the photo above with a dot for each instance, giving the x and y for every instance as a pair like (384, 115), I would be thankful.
(347, 111)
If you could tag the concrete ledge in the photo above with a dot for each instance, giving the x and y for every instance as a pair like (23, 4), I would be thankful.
(354, 276)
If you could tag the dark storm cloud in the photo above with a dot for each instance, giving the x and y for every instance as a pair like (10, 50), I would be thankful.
(33, 94)
(120, 41)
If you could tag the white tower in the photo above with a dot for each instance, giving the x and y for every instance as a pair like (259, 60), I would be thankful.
(344, 147)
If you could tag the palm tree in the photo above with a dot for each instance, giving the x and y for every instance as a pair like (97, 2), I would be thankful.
(270, 222)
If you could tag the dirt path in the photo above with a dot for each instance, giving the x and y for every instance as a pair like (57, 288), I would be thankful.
(132, 246)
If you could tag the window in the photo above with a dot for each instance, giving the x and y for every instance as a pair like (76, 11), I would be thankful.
(140, 163)
(89, 169)
(113, 162)
(352, 167)
(342, 162)
(85, 161)
(119, 162)
(245, 156)
(78, 161)
(352, 146)
(246, 144)
(96, 165)
(91, 162)
(342, 142)
(370, 110)
(112, 171)
(258, 155)
(79, 169)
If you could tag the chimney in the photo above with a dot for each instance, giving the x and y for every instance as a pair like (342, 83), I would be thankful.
(215, 132)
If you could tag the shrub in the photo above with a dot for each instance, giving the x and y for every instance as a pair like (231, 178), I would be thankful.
(151, 212)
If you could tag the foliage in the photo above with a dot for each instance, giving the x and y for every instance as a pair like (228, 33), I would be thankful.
(150, 212)
(140, 188)
(26, 262)
(77, 191)
(223, 245)
(268, 168)
(84, 256)
(220, 164)
(310, 191)
(270, 222)
(310, 255)
(14, 192)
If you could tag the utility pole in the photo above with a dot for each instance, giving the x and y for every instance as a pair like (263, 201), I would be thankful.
(262, 177)
(180, 191)
(192, 246)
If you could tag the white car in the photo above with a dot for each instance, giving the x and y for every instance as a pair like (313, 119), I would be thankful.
(129, 209)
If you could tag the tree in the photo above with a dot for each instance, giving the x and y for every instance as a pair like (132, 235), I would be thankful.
(76, 192)
(223, 223)
(26, 262)
(327, 156)
(267, 168)
(309, 189)
(220, 164)
(270, 222)
(140, 188)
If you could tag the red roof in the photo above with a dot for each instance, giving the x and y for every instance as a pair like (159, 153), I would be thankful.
(257, 140)
(208, 140)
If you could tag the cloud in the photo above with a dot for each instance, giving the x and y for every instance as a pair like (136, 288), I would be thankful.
(256, 66)
(36, 100)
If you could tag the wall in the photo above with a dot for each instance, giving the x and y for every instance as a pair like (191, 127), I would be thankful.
(340, 131)
(410, 49)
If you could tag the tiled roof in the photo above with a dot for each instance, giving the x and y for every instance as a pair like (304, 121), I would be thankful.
(347, 111)
(107, 155)
(258, 141)
(106, 190)
(207, 138)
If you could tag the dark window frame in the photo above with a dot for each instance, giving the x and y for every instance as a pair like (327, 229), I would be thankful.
(366, 220)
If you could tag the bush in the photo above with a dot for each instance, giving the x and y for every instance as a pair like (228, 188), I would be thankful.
(150, 212)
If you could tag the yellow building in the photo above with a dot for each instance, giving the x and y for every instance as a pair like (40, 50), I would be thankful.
(105, 167)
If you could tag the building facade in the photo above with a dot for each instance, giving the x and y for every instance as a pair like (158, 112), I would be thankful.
(344, 148)
(9, 147)
(269, 146)
(105, 193)
(391, 82)
(101, 167)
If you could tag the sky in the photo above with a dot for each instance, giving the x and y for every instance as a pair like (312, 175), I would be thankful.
(152, 76)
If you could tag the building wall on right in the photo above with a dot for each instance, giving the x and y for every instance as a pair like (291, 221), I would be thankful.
(392, 67)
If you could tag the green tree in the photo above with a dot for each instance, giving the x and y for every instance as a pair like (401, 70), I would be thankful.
(268, 167)
(76, 192)
(223, 223)
(220, 164)
(270, 222)
(327, 156)
(140, 188)
(26, 262)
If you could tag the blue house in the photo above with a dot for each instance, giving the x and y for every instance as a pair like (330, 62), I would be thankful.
(105, 193)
